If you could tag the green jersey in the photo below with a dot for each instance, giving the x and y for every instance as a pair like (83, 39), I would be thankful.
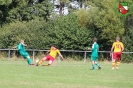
(95, 48)
(21, 47)
(22, 50)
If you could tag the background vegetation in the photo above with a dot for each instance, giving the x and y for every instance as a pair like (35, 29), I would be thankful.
(34, 21)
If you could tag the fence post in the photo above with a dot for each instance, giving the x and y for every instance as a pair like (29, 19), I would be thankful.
(33, 54)
(9, 54)
(84, 56)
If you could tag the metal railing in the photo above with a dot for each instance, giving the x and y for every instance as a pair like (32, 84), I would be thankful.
(34, 50)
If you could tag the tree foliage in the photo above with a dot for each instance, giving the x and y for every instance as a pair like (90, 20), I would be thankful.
(24, 10)
(41, 34)
(33, 21)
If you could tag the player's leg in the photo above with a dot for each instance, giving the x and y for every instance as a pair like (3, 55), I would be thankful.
(41, 61)
(49, 63)
(93, 65)
(26, 56)
(29, 60)
(113, 63)
(112, 56)
(118, 60)
(113, 60)
(97, 64)
(51, 60)
(93, 62)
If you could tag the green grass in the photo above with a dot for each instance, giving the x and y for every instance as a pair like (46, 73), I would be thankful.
(16, 74)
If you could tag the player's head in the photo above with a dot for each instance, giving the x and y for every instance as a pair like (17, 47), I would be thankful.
(22, 41)
(94, 39)
(117, 38)
(53, 46)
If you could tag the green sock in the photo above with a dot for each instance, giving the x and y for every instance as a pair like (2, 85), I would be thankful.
(97, 65)
(29, 61)
(93, 66)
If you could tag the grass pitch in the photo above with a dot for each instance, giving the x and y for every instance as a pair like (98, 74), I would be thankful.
(16, 74)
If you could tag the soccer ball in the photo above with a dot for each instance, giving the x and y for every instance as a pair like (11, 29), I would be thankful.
(37, 60)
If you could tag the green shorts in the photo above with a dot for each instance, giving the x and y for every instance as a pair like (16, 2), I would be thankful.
(94, 58)
(24, 54)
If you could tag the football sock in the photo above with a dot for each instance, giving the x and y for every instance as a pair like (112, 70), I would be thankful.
(97, 64)
(113, 64)
(117, 64)
(29, 61)
(93, 66)
(40, 62)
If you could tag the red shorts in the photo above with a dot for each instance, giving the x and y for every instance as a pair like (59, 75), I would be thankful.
(49, 57)
(117, 55)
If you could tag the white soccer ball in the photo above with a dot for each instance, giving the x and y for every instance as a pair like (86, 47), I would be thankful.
(37, 60)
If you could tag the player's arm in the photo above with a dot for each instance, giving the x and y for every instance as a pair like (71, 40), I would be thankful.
(61, 56)
(93, 48)
(111, 51)
(14, 47)
(24, 44)
(122, 48)
(112, 48)
(89, 49)
(48, 52)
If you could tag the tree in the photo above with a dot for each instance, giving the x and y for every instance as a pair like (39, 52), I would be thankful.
(24, 10)
(106, 22)
(128, 44)
(4, 4)
(83, 18)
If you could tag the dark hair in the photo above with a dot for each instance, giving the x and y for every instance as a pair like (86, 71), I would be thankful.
(53, 45)
(95, 39)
